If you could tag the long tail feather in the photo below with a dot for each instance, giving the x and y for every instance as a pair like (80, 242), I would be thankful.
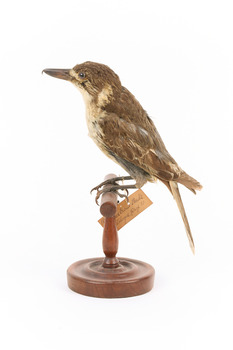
(177, 197)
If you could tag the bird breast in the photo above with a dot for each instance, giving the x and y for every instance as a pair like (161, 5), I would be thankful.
(93, 114)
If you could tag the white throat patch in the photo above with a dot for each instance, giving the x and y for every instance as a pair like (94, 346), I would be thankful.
(104, 96)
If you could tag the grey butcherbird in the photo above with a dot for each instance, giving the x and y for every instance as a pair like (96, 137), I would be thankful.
(122, 129)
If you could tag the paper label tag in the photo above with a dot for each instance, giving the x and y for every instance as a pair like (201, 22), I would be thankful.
(125, 212)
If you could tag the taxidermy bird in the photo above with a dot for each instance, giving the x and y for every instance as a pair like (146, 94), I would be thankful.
(122, 129)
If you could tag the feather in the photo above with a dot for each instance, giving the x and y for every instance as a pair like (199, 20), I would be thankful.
(177, 197)
(122, 129)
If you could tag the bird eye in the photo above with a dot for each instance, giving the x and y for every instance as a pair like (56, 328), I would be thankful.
(81, 75)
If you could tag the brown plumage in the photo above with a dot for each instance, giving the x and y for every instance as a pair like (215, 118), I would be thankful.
(122, 129)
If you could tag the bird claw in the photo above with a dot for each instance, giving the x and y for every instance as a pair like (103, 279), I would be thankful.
(124, 195)
(107, 182)
(113, 189)
(113, 186)
(112, 181)
(98, 194)
(97, 188)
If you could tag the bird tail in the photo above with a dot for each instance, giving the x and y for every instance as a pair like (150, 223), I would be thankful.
(176, 194)
(189, 182)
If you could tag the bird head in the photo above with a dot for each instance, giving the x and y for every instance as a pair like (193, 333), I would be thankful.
(94, 80)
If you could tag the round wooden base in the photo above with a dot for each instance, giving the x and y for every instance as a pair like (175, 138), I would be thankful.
(130, 278)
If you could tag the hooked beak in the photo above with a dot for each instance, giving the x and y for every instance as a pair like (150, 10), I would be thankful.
(58, 73)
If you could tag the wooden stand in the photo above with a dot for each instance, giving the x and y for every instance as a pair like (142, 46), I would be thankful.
(110, 277)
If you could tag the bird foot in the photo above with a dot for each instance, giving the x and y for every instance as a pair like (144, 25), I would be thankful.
(113, 186)
(112, 181)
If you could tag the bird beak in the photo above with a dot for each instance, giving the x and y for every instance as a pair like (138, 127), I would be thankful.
(58, 73)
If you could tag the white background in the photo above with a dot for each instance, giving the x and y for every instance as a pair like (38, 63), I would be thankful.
(176, 57)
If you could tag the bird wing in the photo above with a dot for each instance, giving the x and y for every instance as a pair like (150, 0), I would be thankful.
(144, 148)
(140, 146)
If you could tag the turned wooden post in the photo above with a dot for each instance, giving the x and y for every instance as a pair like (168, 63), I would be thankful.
(110, 277)
(110, 236)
